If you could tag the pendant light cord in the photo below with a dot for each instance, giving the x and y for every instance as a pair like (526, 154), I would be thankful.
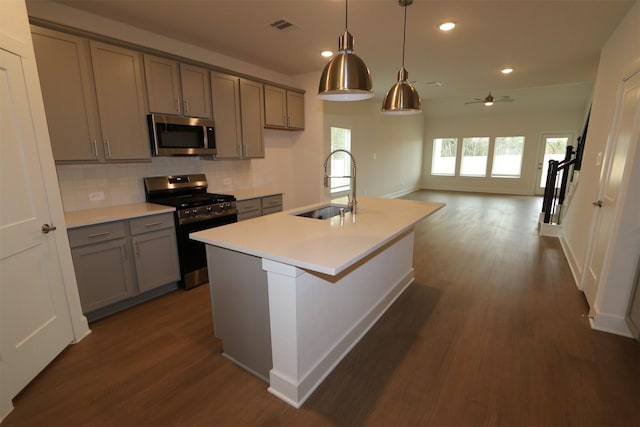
(346, 15)
(404, 34)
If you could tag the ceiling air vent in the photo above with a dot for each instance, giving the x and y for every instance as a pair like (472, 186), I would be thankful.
(283, 24)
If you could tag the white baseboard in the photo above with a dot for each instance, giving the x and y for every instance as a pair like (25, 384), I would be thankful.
(609, 323)
(576, 270)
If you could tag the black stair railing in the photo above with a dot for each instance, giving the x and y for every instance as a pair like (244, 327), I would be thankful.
(554, 194)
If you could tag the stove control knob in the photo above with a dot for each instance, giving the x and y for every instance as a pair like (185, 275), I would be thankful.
(187, 212)
(194, 211)
(209, 208)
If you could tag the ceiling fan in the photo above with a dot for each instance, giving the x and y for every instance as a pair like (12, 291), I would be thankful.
(490, 100)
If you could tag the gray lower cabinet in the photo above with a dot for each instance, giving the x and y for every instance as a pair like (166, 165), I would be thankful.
(119, 264)
(259, 206)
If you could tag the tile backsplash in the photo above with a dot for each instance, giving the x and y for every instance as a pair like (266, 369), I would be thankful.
(121, 183)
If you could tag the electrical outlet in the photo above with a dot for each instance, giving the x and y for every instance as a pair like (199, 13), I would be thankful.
(226, 181)
(96, 195)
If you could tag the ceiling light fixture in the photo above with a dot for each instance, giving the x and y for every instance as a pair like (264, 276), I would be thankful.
(326, 53)
(402, 98)
(447, 26)
(345, 77)
(506, 70)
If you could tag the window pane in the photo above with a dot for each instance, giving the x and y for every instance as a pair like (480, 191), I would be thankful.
(444, 156)
(507, 156)
(340, 162)
(474, 156)
(554, 149)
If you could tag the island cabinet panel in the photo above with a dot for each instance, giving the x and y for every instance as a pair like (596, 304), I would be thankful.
(121, 263)
(241, 316)
(120, 92)
(225, 91)
(66, 79)
(284, 109)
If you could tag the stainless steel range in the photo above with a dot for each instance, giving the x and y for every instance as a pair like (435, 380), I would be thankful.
(195, 210)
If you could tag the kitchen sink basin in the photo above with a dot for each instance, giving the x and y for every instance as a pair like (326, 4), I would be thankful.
(324, 212)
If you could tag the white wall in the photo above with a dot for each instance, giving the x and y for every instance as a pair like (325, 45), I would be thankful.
(619, 58)
(531, 125)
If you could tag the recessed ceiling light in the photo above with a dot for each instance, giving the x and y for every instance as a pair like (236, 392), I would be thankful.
(326, 53)
(447, 26)
(506, 70)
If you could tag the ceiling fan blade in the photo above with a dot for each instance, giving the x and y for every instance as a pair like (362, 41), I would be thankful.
(474, 102)
(504, 99)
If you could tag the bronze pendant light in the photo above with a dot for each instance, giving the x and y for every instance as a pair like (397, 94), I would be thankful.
(345, 77)
(402, 98)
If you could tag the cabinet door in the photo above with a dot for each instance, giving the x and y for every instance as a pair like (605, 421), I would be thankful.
(225, 91)
(156, 256)
(163, 85)
(119, 88)
(295, 110)
(252, 107)
(104, 272)
(275, 107)
(64, 67)
(196, 93)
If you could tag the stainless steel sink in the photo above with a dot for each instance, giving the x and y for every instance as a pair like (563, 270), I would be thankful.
(324, 212)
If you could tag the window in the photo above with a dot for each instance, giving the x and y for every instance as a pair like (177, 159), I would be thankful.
(475, 151)
(507, 157)
(444, 156)
(555, 148)
(340, 162)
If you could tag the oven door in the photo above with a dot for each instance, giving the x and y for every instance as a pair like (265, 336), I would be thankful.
(192, 254)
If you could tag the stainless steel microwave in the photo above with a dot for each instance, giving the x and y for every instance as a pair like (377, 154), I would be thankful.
(181, 136)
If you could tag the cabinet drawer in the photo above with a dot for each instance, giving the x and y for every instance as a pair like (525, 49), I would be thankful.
(151, 222)
(96, 233)
(248, 205)
(271, 210)
(271, 201)
(249, 215)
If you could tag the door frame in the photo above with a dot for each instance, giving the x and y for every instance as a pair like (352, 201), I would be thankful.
(542, 143)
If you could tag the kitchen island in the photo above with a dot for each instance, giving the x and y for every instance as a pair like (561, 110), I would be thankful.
(291, 295)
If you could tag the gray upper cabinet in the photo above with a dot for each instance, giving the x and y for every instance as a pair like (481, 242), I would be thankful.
(238, 109)
(163, 85)
(225, 90)
(284, 109)
(175, 88)
(252, 111)
(120, 93)
(64, 67)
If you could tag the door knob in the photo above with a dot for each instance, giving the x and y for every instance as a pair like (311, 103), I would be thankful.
(597, 203)
(47, 228)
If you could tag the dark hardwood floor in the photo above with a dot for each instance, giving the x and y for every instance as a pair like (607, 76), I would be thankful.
(492, 332)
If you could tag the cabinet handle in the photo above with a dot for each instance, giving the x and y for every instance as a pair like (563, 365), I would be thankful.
(108, 148)
(177, 105)
(186, 106)
(95, 148)
(153, 224)
(105, 233)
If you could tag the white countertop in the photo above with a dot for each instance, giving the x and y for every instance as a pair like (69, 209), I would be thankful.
(84, 217)
(327, 246)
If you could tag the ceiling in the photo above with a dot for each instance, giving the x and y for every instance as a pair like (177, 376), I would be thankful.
(547, 42)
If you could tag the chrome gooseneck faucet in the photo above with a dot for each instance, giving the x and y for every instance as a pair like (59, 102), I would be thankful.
(352, 198)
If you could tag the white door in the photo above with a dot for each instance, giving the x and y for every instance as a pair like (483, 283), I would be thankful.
(35, 323)
(624, 138)
(553, 147)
